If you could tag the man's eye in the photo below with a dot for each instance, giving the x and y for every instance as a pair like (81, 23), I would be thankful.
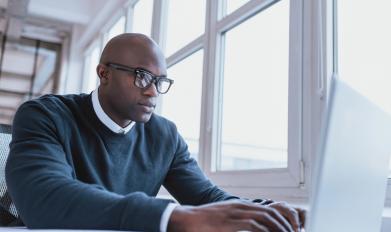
(146, 76)
(140, 75)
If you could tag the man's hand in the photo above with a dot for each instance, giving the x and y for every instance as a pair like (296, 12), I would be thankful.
(295, 216)
(230, 216)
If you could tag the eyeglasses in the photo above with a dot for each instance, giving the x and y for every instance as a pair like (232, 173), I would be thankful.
(143, 79)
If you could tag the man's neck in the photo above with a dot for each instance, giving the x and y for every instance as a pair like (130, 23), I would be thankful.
(110, 111)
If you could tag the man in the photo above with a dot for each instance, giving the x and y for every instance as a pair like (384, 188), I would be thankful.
(97, 161)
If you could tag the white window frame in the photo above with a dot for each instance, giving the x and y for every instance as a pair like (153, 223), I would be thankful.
(100, 40)
(271, 182)
(129, 15)
(112, 22)
(159, 25)
(278, 177)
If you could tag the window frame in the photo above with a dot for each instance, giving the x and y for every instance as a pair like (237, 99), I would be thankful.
(99, 42)
(112, 23)
(247, 182)
(278, 177)
(159, 25)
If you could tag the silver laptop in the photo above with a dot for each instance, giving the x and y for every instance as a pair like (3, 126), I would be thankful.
(350, 179)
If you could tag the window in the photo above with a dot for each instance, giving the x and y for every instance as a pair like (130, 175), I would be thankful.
(29, 68)
(255, 92)
(91, 61)
(252, 132)
(232, 5)
(93, 53)
(186, 21)
(185, 61)
(237, 93)
(116, 29)
(182, 104)
(142, 17)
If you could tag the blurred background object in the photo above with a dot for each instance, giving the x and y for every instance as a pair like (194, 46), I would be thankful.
(33, 37)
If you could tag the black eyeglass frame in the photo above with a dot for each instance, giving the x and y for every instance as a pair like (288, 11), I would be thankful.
(138, 71)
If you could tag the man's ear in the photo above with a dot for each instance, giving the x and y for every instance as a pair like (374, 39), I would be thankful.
(103, 73)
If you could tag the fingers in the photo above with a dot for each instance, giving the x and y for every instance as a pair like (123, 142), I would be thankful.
(274, 213)
(290, 213)
(249, 225)
(269, 218)
(302, 216)
(278, 217)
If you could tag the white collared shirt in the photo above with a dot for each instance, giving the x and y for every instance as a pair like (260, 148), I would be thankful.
(105, 119)
(109, 123)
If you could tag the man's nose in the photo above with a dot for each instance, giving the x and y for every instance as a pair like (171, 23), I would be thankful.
(151, 91)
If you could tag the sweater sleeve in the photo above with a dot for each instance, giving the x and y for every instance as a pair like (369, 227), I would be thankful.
(47, 194)
(187, 183)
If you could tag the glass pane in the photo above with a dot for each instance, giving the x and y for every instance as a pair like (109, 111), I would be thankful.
(364, 49)
(255, 98)
(234, 4)
(46, 66)
(91, 63)
(182, 103)
(142, 17)
(16, 73)
(23, 77)
(116, 29)
(186, 21)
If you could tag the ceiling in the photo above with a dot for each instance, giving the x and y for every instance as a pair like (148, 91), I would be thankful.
(45, 20)
(72, 11)
(53, 18)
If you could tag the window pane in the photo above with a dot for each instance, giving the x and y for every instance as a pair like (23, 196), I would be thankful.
(116, 29)
(29, 69)
(186, 21)
(46, 70)
(182, 103)
(364, 49)
(232, 5)
(255, 98)
(142, 17)
(17, 69)
(91, 63)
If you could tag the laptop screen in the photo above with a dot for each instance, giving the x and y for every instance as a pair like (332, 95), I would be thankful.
(350, 176)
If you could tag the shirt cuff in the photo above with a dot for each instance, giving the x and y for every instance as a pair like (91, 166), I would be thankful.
(166, 216)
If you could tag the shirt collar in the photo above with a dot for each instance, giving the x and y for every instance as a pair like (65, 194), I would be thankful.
(105, 119)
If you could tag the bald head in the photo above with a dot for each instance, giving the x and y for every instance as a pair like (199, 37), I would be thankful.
(131, 49)
(121, 99)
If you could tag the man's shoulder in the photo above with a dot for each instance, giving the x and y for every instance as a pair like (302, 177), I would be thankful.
(57, 112)
(52, 105)
(52, 101)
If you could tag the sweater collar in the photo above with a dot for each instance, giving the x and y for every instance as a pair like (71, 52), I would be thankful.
(105, 119)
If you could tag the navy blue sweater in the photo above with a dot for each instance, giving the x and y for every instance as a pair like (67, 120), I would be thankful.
(67, 170)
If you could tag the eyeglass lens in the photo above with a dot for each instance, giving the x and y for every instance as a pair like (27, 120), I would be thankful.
(144, 79)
